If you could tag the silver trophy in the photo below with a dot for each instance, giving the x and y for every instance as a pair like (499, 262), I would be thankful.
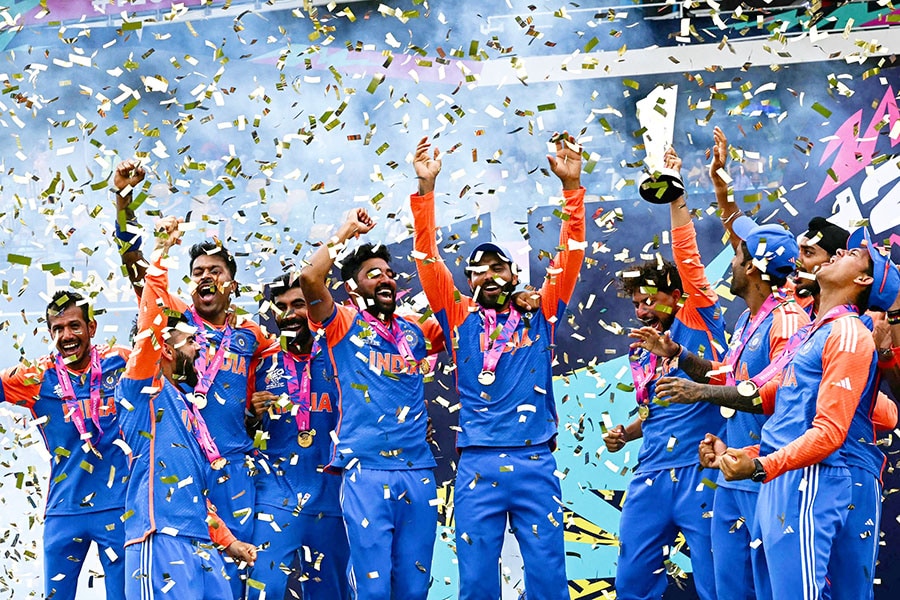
(656, 114)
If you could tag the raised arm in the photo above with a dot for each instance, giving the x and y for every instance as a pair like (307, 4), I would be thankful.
(679, 211)
(155, 300)
(128, 175)
(562, 274)
(312, 278)
(686, 253)
(437, 281)
(728, 212)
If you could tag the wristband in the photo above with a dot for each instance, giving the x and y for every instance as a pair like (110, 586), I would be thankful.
(893, 317)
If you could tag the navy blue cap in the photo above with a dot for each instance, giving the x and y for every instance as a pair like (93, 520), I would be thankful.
(887, 278)
(489, 247)
(772, 246)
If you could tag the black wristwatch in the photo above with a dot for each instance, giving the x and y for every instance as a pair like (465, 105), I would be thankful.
(759, 473)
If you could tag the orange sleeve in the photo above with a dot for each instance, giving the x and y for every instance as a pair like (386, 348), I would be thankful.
(846, 366)
(686, 255)
(22, 383)
(218, 531)
(767, 394)
(718, 375)
(144, 360)
(338, 325)
(121, 351)
(437, 281)
(752, 451)
(884, 415)
(562, 274)
(432, 331)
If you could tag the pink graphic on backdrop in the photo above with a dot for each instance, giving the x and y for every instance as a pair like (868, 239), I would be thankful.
(855, 148)
(889, 19)
(73, 10)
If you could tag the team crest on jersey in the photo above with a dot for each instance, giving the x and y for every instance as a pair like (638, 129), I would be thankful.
(805, 348)
(240, 342)
(412, 337)
(755, 342)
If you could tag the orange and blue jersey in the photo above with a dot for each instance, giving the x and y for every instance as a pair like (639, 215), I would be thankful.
(80, 481)
(672, 431)
(382, 417)
(765, 344)
(292, 477)
(819, 392)
(170, 474)
(518, 409)
(226, 399)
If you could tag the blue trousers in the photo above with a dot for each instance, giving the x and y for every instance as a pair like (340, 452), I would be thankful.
(515, 485)
(318, 544)
(800, 514)
(659, 504)
(851, 570)
(164, 566)
(736, 546)
(233, 493)
(391, 520)
(66, 542)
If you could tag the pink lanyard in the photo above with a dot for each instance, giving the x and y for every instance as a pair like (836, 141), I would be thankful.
(73, 407)
(201, 433)
(734, 353)
(299, 387)
(495, 345)
(206, 370)
(642, 376)
(394, 335)
(798, 339)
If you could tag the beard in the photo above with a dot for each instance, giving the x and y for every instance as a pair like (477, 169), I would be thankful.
(382, 307)
(501, 300)
(298, 333)
(184, 371)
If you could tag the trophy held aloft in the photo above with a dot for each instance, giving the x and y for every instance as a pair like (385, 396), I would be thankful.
(656, 114)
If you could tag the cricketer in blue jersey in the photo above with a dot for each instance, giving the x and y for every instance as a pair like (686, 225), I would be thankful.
(508, 420)
(228, 343)
(388, 494)
(71, 396)
(666, 494)
(170, 525)
(298, 510)
(853, 568)
(827, 372)
(765, 256)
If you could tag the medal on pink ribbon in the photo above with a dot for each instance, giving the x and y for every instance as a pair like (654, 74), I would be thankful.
(73, 406)
(495, 342)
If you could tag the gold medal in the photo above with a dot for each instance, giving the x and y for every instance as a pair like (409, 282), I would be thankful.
(218, 464)
(305, 438)
(643, 412)
(424, 366)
